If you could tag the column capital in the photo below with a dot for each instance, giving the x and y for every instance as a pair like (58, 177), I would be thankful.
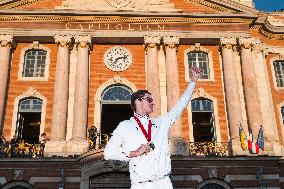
(151, 41)
(171, 41)
(258, 46)
(83, 40)
(63, 40)
(228, 42)
(245, 42)
(6, 40)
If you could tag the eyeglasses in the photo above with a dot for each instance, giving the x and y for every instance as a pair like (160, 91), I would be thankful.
(147, 98)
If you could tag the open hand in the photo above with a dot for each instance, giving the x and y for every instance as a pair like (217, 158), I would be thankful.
(195, 73)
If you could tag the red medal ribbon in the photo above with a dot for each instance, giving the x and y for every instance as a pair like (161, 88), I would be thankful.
(147, 135)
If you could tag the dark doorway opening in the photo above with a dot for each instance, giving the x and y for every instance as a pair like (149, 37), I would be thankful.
(203, 130)
(112, 115)
(29, 127)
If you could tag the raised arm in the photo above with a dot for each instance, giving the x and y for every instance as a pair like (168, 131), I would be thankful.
(176, 111)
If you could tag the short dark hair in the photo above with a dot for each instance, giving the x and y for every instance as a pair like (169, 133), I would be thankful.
(138, 95)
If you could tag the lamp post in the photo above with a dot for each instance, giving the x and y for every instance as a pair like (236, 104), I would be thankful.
(62, 179)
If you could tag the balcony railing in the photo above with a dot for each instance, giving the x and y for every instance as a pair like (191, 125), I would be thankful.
(209, 149)
(21, 150)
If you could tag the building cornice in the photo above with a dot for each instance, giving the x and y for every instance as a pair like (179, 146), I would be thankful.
(266, 29)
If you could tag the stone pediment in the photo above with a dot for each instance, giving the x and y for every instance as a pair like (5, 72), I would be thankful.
(119, 5)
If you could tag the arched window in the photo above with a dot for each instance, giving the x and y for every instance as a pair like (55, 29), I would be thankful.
(212, 186)
(200, 60)
(203, 120)
(115, 107)
(34, 63)
(29, 120)
(117, 93)
(279, 72)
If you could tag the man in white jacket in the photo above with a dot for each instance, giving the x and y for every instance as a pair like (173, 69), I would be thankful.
(143, 141)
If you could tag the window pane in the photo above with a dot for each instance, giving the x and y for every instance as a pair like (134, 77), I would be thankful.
(34, 63)
(117, 93)
(279, 72)
(282, 112)
(30, 105)
(200, 60)
(201, 105)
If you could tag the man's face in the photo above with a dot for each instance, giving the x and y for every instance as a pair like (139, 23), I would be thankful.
(145, 106)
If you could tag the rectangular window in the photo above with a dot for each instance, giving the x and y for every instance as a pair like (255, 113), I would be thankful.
(279, 72)
(200, 60)
(34, 65)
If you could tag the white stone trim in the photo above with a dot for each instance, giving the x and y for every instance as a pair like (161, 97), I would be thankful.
(98, 96)
(229, 178)
(278, 57)
(37, 46)
(3, 180)
(280, 118)
(31, 92)
(215, 181)
(197, 178)
(17, 183)
(33, 180)
(210, 62)
(202, 93)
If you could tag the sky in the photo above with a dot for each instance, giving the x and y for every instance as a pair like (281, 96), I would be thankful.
(269, 5)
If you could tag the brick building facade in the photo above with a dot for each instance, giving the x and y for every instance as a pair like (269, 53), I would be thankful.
(68, 65)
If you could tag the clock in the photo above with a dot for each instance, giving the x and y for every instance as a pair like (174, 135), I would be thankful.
(117, 58)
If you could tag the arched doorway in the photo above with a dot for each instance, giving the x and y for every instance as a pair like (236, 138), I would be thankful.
(212, 186)
(29, 120)
(115, 107)
(203, 120)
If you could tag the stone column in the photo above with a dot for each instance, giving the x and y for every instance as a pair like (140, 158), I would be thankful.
(271, 144)
(178, 146)
(78, 143)
(153, 80)
(232, 95)
(5, 54)
(57, 143)
(60, 98)
(252, 101)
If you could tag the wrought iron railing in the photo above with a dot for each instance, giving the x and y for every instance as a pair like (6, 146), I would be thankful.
(20, 150)
(99, 141)
(209, 149)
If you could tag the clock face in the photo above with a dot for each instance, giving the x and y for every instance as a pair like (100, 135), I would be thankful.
(117, 58)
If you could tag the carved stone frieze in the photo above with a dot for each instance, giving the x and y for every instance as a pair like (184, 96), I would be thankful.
(213, 173)
(171, 41)
(6, 40)
(63, 40)
(135, 5)
(83, 41)
(228, 42)
(245, 43)
(18, 174)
